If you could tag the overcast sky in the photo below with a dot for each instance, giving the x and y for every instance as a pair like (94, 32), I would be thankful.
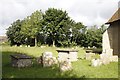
(89, 12)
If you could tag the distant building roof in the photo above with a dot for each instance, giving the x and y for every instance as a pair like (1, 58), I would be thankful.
(115, 17)
(3, 38)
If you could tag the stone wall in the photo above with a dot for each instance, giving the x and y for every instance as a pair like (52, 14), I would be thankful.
(115, 37)
(111, 40)
(119, 38)
(107, 39)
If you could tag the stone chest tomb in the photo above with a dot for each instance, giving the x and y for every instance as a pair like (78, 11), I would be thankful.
(21, 60)
(64, 55)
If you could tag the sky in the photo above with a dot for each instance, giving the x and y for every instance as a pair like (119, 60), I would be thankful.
(89, 12)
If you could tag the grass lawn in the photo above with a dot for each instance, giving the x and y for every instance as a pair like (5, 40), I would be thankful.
(81, 68)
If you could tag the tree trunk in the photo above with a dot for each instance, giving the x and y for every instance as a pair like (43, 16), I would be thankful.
(35, 42)
(53, 43)
(27, 41)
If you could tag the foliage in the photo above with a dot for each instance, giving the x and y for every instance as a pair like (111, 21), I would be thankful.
(14, 34)
(79, 32)
(56, 24)
(24, 31)
(32, 24)
(93, 37)
(54, 27)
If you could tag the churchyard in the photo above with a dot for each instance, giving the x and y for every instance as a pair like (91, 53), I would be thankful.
(82, 68)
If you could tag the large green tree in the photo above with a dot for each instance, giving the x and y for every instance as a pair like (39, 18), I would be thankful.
(54, 27)
(32, 24)
(56, 24)
(13, 33)
(94, 37)
(77, 29)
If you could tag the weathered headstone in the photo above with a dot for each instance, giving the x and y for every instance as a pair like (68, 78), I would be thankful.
(20, 45)
(105, 58)
(89, 56)
(96, 62)
(48, 59)
(28, 45)
(65, 65)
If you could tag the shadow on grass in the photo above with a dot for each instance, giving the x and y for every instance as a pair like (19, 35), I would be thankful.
(70, 74)
(35, 71)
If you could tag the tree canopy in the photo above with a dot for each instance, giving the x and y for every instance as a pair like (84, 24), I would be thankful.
(32, 24)
(54, 27)
(14, 34)
(56, 23)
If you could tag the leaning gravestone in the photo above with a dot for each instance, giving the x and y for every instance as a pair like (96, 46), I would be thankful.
(65, 65)
(48, 59)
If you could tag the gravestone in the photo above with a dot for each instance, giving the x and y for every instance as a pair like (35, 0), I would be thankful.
(110, 56)
(20, 45)
(89, 56)
(48, 59)
(96, 62)
(28, 45)
(105, 58)
(63, 55)
(65, 65)
(21, 60)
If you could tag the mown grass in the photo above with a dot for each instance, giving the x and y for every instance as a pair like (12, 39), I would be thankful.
(81, 68)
